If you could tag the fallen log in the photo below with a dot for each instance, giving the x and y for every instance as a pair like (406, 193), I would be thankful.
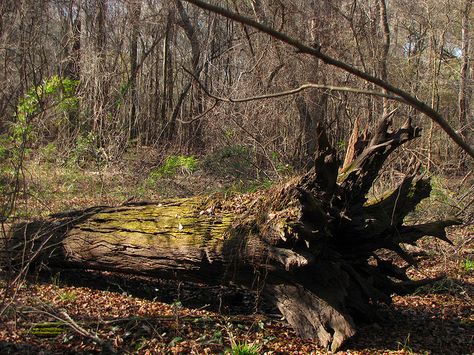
(308, 245)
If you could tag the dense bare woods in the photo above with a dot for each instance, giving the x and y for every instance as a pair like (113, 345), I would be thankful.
(133, 60)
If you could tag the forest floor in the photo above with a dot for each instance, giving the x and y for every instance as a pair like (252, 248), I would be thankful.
(54, 312)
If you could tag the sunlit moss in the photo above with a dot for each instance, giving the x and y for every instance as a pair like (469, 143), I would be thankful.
(180, 222)
(48, 329)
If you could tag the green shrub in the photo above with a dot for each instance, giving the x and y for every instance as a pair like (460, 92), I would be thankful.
(245, 349)
(59, 91)
(468, 265)
(49, 153)
(85, 149)
(55, 93)
(68, 296)
(174, 164)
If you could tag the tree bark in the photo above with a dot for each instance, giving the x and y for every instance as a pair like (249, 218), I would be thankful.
(167, 74)
(134, 12)
(193, 129)
(309, 245)
(464, 89)
(382, 7)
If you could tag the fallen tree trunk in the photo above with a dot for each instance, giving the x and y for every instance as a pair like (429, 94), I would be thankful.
(309, 245)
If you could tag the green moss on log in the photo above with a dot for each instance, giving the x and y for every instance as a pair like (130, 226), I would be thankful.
(48, 329)
(176, 223)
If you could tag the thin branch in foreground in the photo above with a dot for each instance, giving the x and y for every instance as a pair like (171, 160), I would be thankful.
(198, 117)
(293, 91)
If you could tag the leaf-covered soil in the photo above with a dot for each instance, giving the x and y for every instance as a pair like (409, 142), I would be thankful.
(75, 311)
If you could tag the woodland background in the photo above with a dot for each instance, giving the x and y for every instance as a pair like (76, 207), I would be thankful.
(125, 69)
(106, 101)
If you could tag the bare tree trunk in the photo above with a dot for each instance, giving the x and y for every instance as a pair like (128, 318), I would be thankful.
(312, 113)
(134, 10)
(193, 129)
(96, 18)
(465, 127)
(436, 53)
(73, 58)
(385, 50)
(73, 55)
(167, 76)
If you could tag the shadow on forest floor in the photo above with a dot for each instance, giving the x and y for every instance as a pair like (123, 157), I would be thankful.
(430, 323)
(436, 323)
(227, 300)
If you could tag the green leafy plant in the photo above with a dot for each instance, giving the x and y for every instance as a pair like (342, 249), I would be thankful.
(445, 285)
(341, 146)
(237, 347)
(49, 152)
(244, 348)
(85, 149)
(215, 339)
(55, 279)
(68, 296)
(174, 164)
(405, 345)
(468, 265)
(175, 341)
(53, 93)
(285, 169)
(139, 345)
(177, 305)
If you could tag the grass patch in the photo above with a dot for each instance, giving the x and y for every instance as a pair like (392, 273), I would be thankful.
(468, 265)
(176, 164)
(68, 296)
(245, 348)
(444, 286)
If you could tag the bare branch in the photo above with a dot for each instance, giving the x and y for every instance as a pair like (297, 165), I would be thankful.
(294, 91)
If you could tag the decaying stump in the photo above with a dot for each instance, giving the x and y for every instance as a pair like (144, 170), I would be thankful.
(305, 244)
